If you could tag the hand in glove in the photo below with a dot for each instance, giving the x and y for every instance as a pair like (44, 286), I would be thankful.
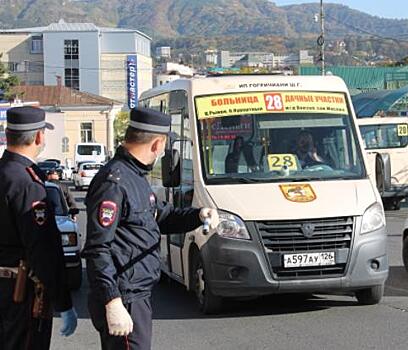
(211, 215)
(119, 321)
(69, 322)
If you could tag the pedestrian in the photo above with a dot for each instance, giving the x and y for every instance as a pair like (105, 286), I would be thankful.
(32, 270)
(125, 221)
(52, 176)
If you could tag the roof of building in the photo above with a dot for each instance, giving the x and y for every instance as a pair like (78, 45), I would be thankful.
(62, 26)
(369, 104)
(61, 96)
(357, 77)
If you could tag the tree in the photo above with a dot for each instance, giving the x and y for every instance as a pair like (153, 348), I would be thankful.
(120, 125)
(7, 81)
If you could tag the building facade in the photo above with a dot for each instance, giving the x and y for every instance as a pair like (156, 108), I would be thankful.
(80, 56)
(77, 116)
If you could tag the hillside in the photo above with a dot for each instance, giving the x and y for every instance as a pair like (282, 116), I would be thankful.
(171, 18)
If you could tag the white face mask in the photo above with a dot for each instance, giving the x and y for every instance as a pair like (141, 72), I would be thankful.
(161, 155)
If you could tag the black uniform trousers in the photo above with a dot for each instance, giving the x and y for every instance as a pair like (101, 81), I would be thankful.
(140, 339)
(18, 330)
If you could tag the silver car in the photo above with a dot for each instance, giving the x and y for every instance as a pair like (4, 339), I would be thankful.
(70, 235)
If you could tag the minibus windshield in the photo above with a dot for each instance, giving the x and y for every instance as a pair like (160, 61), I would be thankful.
(385, 135)
(308, 140)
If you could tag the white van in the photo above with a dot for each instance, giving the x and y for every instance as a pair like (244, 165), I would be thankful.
(389, 135)
(90, 152)
(282, 160)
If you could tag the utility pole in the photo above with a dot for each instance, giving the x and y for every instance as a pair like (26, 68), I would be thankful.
(320, 39)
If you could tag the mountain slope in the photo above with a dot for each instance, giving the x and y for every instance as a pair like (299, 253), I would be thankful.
(169, 18)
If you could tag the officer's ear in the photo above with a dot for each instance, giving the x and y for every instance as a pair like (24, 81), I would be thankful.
(157, 143)
(39, 137)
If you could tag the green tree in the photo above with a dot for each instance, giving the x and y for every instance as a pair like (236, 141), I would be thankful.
(120, 125)
(7, 81)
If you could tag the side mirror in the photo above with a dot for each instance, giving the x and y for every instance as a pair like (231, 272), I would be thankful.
(170, 163)
(383, 172)
(73, 211)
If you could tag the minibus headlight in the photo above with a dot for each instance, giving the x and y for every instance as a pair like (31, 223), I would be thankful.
(232, 226)
(373, 219)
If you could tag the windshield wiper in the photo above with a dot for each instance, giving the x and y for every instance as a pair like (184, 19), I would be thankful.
(232, 179)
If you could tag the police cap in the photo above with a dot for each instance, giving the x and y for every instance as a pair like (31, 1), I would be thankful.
(149, 120)
(26, 118)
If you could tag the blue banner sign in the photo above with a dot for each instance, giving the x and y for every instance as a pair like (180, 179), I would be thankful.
(132, 81)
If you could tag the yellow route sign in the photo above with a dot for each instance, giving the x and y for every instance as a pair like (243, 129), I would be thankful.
(270, 102)
(402, 130)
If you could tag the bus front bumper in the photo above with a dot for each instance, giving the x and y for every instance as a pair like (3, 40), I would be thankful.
(238, 268)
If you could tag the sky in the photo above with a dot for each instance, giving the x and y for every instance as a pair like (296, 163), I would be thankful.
(382, 8)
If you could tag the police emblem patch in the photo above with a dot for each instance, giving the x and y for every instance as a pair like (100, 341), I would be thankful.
(39, 212)
(107, 213)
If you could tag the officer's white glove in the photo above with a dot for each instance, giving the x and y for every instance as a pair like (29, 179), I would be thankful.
(211, 215)
(119, 321)
(69, 322)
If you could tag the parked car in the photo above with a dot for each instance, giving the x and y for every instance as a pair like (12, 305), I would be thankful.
(66, 173)
(70, 235)
(83, 176)
(50, 165)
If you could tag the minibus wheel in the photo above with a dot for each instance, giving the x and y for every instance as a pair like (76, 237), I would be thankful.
(207, 301)
(370, 296)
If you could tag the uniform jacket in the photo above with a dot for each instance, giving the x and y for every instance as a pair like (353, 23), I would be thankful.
(28, 227)
(125, 221)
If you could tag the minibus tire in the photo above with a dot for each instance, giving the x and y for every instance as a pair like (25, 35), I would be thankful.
(208, 302)
(370, 296)
(405, 252)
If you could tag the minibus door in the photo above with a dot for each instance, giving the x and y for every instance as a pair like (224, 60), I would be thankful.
(181, 195)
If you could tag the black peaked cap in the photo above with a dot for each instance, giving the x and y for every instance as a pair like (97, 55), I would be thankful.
(27, 118)
(149, 120)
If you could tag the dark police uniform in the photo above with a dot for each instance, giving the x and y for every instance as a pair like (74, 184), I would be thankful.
(28, 232)
(123, 236)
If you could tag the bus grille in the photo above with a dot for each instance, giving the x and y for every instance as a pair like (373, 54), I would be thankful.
(288, 237)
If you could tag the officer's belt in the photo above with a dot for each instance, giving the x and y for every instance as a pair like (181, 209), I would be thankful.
(8, 272)
(141, 256)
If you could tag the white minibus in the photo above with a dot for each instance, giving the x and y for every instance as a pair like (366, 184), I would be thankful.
(90, 152)
(389, 135)
(282, 160)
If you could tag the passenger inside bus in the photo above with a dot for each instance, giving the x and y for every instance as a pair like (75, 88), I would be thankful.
(240, 157)
(306, 150)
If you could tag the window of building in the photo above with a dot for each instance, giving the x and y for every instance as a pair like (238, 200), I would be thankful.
(71, 49)
(71, 55)
(36, 44)
(72, 78)
(13, 66)
(86, 132)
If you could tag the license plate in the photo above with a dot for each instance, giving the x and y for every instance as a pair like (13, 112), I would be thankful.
(309, 259)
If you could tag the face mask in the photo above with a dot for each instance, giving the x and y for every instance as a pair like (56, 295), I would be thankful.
(152, 165)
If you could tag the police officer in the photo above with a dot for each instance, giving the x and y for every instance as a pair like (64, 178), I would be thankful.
(29, 238)
(125, 221)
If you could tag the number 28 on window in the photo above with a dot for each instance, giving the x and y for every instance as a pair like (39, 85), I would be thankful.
(274, 102)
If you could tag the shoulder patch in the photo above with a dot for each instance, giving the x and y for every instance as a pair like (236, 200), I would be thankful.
(39, 210)
(34, 176)
(108, 211)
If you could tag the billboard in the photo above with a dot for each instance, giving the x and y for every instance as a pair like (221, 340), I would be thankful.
(132, 81)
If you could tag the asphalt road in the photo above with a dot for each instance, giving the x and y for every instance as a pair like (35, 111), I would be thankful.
(276, 322)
